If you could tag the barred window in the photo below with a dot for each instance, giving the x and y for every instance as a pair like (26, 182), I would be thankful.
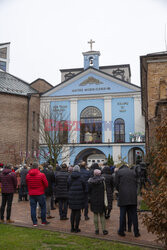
(91, 125)
(119, 130)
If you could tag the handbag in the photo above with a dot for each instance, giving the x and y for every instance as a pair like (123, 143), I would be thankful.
(105, 196)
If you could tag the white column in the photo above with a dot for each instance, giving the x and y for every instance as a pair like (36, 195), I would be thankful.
(66, 155)
(107, 120)
(44, 114)
(139, 125)
(116, 152)
(73, 119)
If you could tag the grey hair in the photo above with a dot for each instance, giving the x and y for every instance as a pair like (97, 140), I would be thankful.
(34, 165)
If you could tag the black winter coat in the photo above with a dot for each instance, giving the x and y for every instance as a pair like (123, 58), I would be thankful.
(61, 184)
(126, 184)
(109, 181)
(51, 180)
(86, 175)
(96, 192)
(23, 174)
(76, 195)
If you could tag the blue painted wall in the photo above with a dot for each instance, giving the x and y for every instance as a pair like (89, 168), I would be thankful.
(123, 108)
(106, 86)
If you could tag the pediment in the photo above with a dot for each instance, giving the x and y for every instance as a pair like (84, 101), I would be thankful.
(93, 82)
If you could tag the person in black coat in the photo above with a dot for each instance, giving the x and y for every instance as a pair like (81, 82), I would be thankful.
(49, 190)
(126, 184)
(62, 191)
(23, 190)
(96, 192)
(86, 175)
(109, 181)
(76, 197)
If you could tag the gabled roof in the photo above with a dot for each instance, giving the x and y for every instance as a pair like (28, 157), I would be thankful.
(13, 85)
(38, 79)
(1, 44)
(65, 83)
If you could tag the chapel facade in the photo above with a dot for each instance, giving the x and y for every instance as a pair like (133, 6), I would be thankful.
(102, 110)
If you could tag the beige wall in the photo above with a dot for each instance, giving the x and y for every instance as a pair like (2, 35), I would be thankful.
(13, 126)
(41, 85)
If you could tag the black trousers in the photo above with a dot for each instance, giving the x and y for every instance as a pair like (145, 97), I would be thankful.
(132, 211)
(86, 205)
(75, 218)
(63, 207)
(6, 199)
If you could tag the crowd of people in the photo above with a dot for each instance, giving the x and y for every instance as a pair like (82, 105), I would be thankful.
(73, 188)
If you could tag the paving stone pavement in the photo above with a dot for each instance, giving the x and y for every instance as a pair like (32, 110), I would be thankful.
(21, 216)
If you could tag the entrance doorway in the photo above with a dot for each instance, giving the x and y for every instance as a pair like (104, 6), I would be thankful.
(90, 156)
(134, 154)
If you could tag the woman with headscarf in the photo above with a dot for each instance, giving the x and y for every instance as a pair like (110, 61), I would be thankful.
(96, 192)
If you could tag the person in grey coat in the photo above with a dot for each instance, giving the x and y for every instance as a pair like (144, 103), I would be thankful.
(126, 184)
(96, 192)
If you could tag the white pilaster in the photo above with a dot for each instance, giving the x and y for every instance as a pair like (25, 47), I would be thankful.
(44, 114)
(138, 118)
(116, 153)
(73, 119)
(107, 120)
(65, 155)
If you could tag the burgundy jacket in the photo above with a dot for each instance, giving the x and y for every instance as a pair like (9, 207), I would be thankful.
(36, 182)
(8, 181)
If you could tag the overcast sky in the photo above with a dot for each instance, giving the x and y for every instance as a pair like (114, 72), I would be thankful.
(48, 35)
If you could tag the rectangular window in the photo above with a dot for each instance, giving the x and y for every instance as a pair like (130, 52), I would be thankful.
(3, 53)
(33, 120)
(3, 65)
(32, 149)
(37, 122)
(63, 132)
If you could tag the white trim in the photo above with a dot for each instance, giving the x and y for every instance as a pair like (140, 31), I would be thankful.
(73, 118)
(107, 119)
(87, 97)
(116, 150)
(133, 144)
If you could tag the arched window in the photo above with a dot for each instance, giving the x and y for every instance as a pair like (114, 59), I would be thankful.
(119, 130)
(91, 61)
(91, 125)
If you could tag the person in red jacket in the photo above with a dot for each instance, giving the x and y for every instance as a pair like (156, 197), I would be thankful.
(8, 187)
(37, 182)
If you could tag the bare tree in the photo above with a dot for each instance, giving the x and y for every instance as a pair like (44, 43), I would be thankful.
(55, 135)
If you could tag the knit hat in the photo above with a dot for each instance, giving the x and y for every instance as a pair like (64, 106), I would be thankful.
(76, 168)
(97, 172)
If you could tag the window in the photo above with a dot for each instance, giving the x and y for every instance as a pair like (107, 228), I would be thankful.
(63, 132)
(3, 65)
(119, 130)
(33, 120)
(3, 53)
(37, 122)
(91, 125)
(91, 61)
(32, 149)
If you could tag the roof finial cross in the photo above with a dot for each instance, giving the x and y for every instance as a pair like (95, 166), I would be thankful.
(91, 42)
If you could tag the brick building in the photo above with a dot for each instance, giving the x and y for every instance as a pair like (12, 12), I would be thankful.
(154, 92)
(19, 123)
